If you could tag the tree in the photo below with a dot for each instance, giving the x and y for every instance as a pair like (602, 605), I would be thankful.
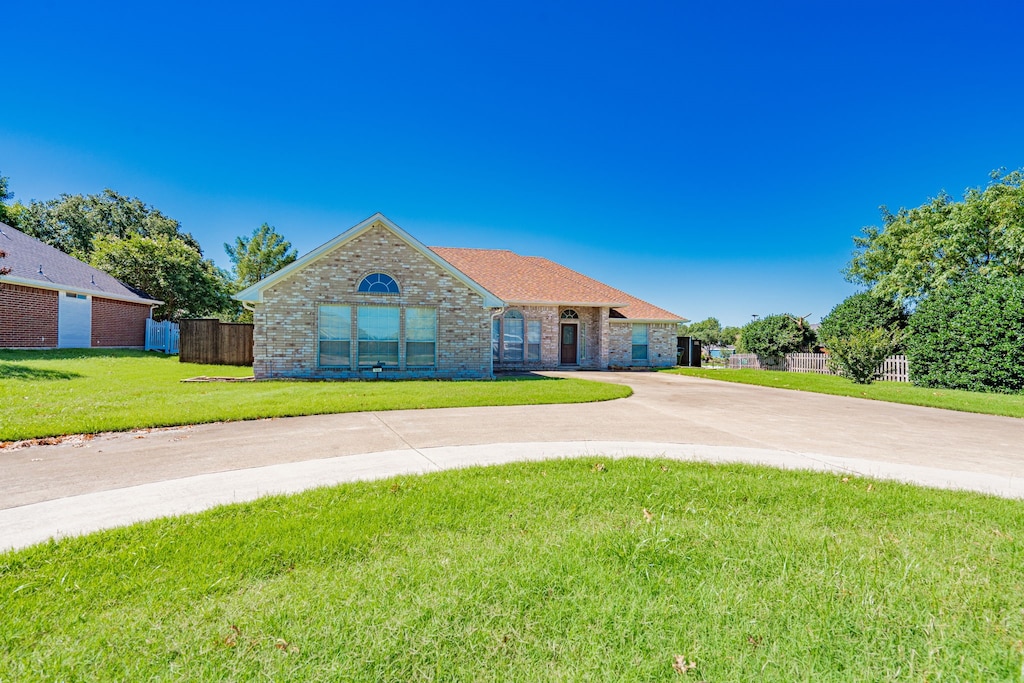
(71, 223)
(707, 332)
(731, 335)
(5, 195)
(776, 335)
(858, 355)
(968, 336)
(263, 253)
(165, 268)
(922, 250)
(860, 312)
(4, 270)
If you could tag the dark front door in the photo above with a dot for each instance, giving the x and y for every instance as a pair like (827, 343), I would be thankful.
(569, 343)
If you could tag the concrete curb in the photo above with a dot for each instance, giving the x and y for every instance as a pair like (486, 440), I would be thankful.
(30, 524)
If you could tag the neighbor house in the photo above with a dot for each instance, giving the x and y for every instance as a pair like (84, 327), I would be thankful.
(52, 300)
(374, 301)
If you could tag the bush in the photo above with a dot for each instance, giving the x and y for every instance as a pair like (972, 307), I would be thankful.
(970, 335)
(776, 335)
(858, 355)
(862, 312)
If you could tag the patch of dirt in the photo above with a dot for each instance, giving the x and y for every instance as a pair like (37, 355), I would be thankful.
(204, 378)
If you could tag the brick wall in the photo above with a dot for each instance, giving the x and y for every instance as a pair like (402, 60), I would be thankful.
(118, 323)
(286, 334)
(28, 317)
(661, 345)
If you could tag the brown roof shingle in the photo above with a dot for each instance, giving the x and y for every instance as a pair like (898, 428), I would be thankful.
(532, 279)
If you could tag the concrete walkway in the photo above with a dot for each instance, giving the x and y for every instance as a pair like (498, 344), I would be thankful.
(113, 479)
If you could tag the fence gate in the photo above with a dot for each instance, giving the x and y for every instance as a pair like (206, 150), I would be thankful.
(162, 336)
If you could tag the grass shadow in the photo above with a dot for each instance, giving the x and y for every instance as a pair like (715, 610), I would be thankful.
(523, 376)
(25, 372)
(11, 355)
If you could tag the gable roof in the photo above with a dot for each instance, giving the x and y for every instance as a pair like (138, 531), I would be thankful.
(254, 293)
(36, 264)
(534, 280)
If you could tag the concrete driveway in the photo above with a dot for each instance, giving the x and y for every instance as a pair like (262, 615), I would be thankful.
(84, 484)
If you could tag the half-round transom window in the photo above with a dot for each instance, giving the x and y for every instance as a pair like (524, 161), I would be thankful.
(379, 283)
(569, 314)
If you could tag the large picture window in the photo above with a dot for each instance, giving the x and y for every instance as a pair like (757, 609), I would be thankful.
(335, 323)
(639, 341)
(378, 335)
(420, 336)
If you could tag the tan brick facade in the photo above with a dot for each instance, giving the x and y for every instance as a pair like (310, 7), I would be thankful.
(592, 341)
(286, 321)
(661, 345)
(118, 323)
(28, 317)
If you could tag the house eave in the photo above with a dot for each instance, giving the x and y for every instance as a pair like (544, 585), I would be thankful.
(57, 287)
(580, 304)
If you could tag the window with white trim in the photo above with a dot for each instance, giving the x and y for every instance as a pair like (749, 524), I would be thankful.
(335, 336)
(378, 283)
(639, 341)
(378, 335)
(420, 337)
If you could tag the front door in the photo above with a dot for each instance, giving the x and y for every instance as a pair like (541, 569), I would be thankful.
(568, 355)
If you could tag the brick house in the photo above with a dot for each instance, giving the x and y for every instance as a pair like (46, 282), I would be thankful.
(52, 300)
(374, 296)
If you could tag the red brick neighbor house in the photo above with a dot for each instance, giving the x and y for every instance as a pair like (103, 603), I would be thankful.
(52, 300)
(374, 301)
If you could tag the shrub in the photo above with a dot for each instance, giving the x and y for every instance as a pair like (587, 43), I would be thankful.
(970, 335)
(858, 355)
(776, 335)
(862, 312)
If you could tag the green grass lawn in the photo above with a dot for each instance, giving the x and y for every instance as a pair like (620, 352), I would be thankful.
(584, 569)
(1011, 405)
(48, 393)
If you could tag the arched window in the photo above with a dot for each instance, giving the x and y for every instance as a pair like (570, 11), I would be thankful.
(378, 283)
(569, 314)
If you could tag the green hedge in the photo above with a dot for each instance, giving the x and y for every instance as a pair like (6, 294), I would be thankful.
(970, 335)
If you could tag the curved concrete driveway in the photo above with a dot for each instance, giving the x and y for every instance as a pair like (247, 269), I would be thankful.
(85, 484)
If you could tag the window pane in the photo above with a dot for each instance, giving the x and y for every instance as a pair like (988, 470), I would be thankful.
(419, 354)
(639, 351)
(513, 337)
(379, 283)
(420, 336)
(533, 340)
(378, 334)
(639, 333)
(335, 332)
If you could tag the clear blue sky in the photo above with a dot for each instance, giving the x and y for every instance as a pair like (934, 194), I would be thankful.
(713, 158)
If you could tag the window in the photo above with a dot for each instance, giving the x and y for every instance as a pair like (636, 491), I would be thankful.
(495, 338)
(513, 336)
(533, 340)
(583, 341)
(569, 314)
(379, 283)
(335, 336)
(420, 336)
(378, 335)
(639, 341)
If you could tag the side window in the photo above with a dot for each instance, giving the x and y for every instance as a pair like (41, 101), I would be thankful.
(639, 341)
(420, 337)
(335, 333)
(533, 340)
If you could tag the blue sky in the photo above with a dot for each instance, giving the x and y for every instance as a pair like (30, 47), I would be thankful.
(712, 158)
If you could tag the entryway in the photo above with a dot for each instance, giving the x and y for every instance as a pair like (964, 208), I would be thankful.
(568, 346)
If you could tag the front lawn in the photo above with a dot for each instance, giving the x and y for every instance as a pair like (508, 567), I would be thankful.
(48, 393)
(586, 569)
(1010, 405)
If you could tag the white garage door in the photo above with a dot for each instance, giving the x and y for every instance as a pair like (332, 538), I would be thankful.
(74, 321)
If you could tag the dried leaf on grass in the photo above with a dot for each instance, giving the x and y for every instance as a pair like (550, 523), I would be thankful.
(682, 666)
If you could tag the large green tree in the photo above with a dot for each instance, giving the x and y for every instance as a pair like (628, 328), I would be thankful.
(165, 268)
(861, 312)
(72, 223)
(776, 335)
(261, 254)
(708, 332)
(922, 250)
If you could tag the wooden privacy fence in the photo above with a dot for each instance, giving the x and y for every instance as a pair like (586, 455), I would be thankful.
(892, 369)
(216, 343)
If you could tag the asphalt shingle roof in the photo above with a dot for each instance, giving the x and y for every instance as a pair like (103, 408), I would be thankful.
(30, 259)
(532, 279)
